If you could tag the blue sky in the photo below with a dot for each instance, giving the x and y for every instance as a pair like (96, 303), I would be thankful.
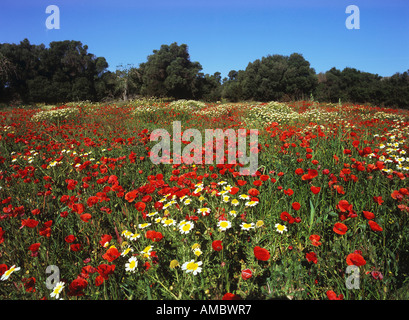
(223, 35)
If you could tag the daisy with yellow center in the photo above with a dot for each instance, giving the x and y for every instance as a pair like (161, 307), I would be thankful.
(146, 252)
(251, 203)
(235, 202)
(187, 201)
(244, 197)
(280, 228)
(185, 227)
(134, 236)
(8, 273)
(224, 225)
(192, 266)
(197, 252)
(247, 226)
(259, 223)
(226, 199)
(127, 234)
(57, 290)
(233, 213)
(131, 265)
(167, 222)
(201, 198)
(203, 211)
(126, 251)
(151, 214)
(144, 225)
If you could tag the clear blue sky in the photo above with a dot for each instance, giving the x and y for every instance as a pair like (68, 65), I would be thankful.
(223, 34)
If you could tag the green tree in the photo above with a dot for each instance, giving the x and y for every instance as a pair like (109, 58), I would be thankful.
(170, 73)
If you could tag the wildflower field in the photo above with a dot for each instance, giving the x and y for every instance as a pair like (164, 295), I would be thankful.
(324, 217)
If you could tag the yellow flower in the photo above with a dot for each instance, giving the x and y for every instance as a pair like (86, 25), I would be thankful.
(174, 264)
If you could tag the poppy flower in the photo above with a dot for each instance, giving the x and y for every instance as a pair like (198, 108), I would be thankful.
(140, 206)
(153, 235)
(344, 206)
(70, 238)
(34, 247)
(285, 216)
(246, 274)
(261, 253)
(311, 257)
(340, 228)
(315, 240)
(312, 173)
(333, 296)
(374, 226)
(85, 217)
(111, 254)
(30, 223)
(217, 245)
(231, 296)
(131, 195)
(296, 206)
(75, 247)
(253, 192)
(355, 259)
(368, 215)
(378, 200)
(315, 190)
(105, 270)
(77, 286)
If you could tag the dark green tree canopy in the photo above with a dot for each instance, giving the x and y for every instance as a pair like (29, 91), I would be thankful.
(169, 72)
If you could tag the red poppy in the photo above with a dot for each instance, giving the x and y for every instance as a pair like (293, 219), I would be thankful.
(374, 226)
(246, 274)
(333, 296)
(70, 238)
(312, 173)
(340, 228)
(378, 200)
(315, 240)
(30, 223)
(285, 216)
(234, 190)
(299, 171)
(288, 192)
(130, 196)
(261, 253)
(253, 192)
(315, 190)
(140, 206)
(99, 280)
(75, 247)
(29, 284)
(368, 215)
(105, 270)
(355, 259)
(111, 254)
(344, 206)
(217, 245)
(34, 247)
(311, 257)
(296, 206)
(77, 286)
(85, 217)
(231, 296)
(153, 235)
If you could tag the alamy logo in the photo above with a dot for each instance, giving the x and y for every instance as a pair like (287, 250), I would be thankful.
(236, 147)
(53, 20)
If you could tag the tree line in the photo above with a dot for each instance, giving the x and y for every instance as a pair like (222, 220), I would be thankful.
(66, 71)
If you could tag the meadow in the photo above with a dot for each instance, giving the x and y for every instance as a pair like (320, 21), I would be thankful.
(324, 217)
